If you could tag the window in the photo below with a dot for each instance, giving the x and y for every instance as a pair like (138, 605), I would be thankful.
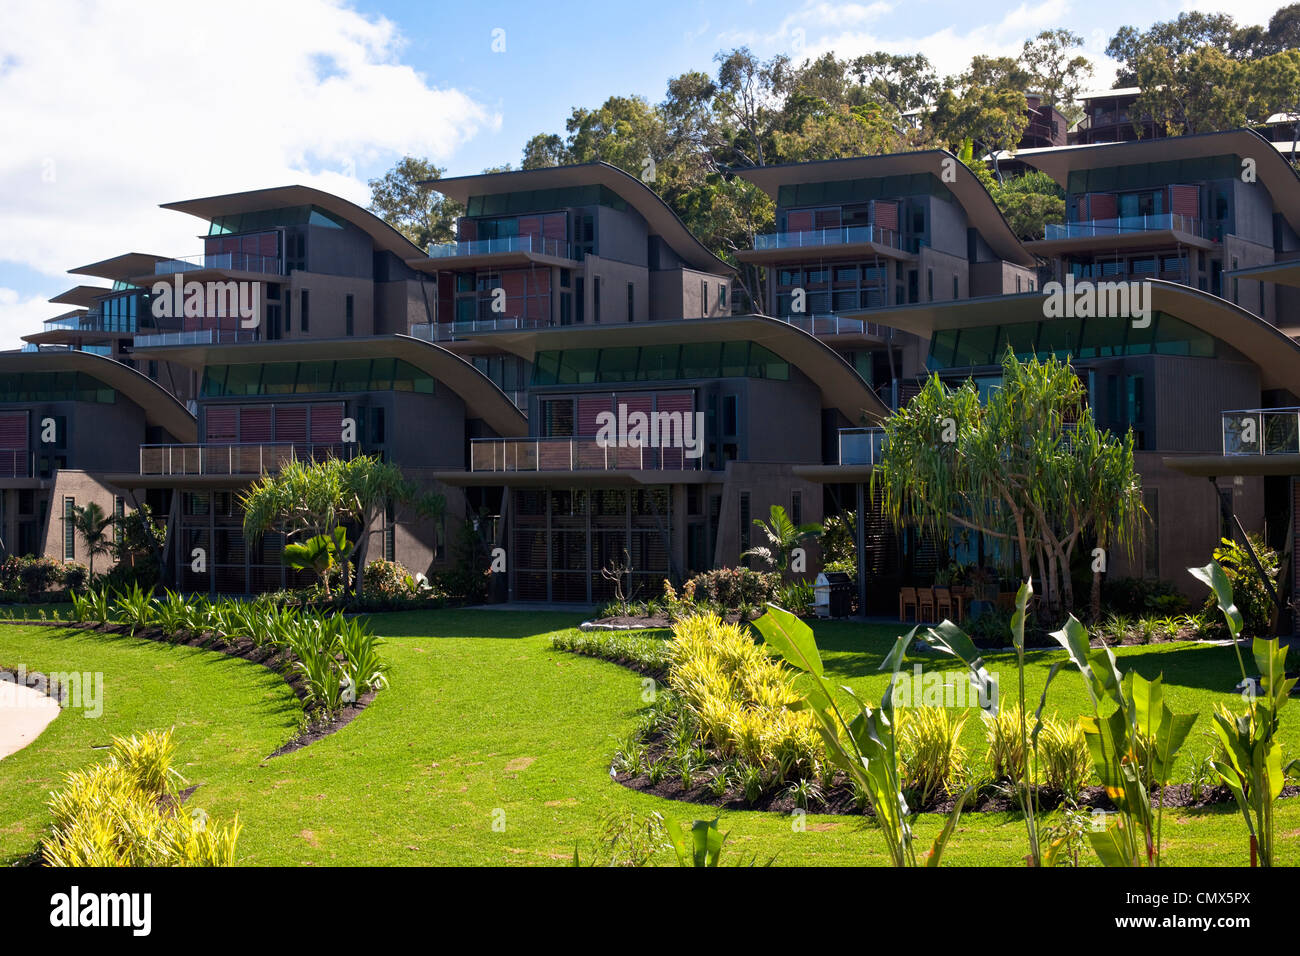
(956, 294)
(722, 297)
(303, 310)
(730, 415)
(744, 523)
(595, 299)
(631, 301)
(119, 512)
(929, 285)
(69, 529)
(390, 543)
(347, 315)
(704, 298)
(796, 507)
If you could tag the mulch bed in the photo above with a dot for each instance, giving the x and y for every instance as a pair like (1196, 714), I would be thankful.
(839, 798)
(273, 659)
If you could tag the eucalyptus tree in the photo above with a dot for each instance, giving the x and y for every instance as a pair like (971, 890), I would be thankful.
(1028, 468)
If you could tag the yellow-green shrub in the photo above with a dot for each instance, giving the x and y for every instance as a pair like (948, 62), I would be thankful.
(1063, 756)
(1007, 743)
(932, 759)
(125, 813)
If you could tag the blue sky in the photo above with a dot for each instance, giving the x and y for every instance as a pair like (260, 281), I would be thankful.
(330, 93)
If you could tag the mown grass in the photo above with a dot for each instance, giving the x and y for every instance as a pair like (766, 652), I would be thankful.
(491, 748)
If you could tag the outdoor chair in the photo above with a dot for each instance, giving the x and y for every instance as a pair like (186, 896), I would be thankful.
(906, 599)
(943, 605)
(925, 601)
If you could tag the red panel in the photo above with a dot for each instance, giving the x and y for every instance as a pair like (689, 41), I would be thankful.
(268, 245)
(683, 402)
(255, 424)
(1185, 201)
(514, 282)
(541, 284)
(556, 226)
(468, 231)
(826, 219)
(885, 214)
(221, 424)
(1101, 206)
(530, 225)
(13, 430)
(801, 221)
(589, 406)
(291, 423)
(326, 424)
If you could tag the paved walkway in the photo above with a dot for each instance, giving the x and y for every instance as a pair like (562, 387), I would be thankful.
(24, 713)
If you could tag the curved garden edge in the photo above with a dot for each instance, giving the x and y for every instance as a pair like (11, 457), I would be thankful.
(839, 799)
(263, 656)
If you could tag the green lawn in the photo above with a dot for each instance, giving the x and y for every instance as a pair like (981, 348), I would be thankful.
(485, 723)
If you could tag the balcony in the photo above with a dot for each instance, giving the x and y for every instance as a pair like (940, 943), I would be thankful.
(1261, 431)
(1097, 228)
(455, 331)
(220, 262)
(861, 446)
(196, 337)
(832, 324)
(15, 463)
(92, 321)
(234, 459)
(572, 454)
(840, 236)
(536, 245)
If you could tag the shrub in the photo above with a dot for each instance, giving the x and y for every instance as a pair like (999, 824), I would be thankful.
(933, 761)
(1249, 590)
(126, 813)
(1137, 597)
(730, 589)
(30, 576)
(1007, 744)
(75, 576)
(648, 653)
(386, 579)
(1063, 752)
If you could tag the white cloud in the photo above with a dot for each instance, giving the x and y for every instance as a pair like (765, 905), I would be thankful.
(110, 109)
(21, 315)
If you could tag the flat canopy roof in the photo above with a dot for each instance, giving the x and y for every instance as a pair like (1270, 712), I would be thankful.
(841, 386)
(482, 396)
(970, 192)
(1271, 168)
(1230, 466)
(120, 268)
(1275, 352)
(658, 215)
(160, 406)
(1283, 273)
(578, 477)
(81, 295)
(284, 197)
(1146, 239)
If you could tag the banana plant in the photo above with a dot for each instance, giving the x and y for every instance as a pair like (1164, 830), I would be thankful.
(1250, 759)
(702, 846)
(863, 744)
(318, 554)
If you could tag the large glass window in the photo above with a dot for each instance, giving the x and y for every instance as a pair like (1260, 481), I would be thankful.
(283, 378)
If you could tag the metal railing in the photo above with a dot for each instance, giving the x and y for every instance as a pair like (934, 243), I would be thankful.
(477, 247)
(841, 235)
(235, 459)
(234, 261)
(861, 446)
(574, 454)
(196, 337)
(1125, 224)
(832, 324)
(1261, 431)
(451, 331)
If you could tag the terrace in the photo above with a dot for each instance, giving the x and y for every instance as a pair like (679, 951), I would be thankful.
(861, 446)
(233, 459)
(1261, 431)
(1125, 225)
(573, 454)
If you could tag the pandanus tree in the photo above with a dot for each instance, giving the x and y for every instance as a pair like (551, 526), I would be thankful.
(1028, 469)
(309, 500)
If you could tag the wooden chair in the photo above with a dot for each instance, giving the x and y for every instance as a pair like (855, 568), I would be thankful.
(925, 602)
(1006, 601)
(906, 599)
(943, 605)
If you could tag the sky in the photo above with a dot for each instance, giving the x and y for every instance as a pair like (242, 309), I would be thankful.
(108, 109)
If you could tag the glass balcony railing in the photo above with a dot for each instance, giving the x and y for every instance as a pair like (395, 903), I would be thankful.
(195, 337)
(1261, 431)
(1125, 225)
(234, 459)
(231, 261)
(91, 322)
(839, 236)
(478, 247)
(832, 324)
(573, 454)
(861, 446)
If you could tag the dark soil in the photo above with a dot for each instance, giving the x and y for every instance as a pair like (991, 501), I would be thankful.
(839, 797)
(273, 659)
(623, 622)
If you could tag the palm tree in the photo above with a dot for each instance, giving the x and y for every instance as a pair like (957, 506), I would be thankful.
(92, 524)
(782, 538)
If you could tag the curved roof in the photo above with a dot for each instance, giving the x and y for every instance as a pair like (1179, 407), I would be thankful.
(81, 295)
(980, 208)
(283, 197)
(1275, 353)
(120, 268)
(657, 213)
(160, 406)
(483, 398)
(1271, 167)
(841, 386)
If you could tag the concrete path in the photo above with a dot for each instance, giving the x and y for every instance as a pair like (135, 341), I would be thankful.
(24, 713)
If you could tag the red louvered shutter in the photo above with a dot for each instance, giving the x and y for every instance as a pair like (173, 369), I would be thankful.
(673, 455)
(555, 226)
(468, 230)
(826, 219)
(590, 406)
(291, 424)
(1101, 206)
(221, 424)
(255, 425)
(13, 444)
(1185, 201)
(884, 214)
(801, 221)
(530, 225)
(326, 424)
